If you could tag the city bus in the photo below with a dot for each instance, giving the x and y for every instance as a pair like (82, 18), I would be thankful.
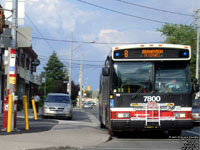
(147, 87)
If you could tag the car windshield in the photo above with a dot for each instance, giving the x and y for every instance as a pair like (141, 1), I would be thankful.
(196, 110)
(131, 77)
(172, 78)
(57, 99)
(88, 103)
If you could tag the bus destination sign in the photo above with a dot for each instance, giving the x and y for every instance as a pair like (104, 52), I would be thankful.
(151, 53)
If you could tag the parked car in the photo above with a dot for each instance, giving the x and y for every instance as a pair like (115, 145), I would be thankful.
(196, 114)
(87, 105)
(57, 104)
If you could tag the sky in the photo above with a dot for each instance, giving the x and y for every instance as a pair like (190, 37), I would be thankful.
(95, 25)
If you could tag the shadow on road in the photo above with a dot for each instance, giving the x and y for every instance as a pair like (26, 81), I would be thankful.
(39, 125)
(140, 134)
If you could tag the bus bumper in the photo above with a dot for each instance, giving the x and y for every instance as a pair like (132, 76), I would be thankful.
(119, 125)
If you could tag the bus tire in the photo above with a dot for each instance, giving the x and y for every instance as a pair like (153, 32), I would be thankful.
(102, 125)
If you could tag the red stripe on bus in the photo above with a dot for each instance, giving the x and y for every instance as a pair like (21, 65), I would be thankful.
(155, 113)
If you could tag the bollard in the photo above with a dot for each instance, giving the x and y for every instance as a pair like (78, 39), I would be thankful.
(5, 114)
(34, 109)
(10, 103)
(26, 112)
(15, 111)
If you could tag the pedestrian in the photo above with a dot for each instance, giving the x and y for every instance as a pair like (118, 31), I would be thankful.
(37, 99)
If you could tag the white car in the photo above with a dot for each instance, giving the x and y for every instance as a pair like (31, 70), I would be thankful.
(88, 105)
(57, 104)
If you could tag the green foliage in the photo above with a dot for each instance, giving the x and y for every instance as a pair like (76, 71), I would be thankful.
(181, 34)
(89, 94)
(75, 89)
(56, 74)
(54, 68)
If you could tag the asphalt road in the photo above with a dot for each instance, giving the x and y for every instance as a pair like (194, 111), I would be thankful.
(123, 141)
(42, 124)
(149, 140)
(34, 126)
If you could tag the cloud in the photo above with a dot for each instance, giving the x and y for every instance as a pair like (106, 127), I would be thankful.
(57, 18)
(134, 36)
(106, 31)
(118, 37)
(58, 14)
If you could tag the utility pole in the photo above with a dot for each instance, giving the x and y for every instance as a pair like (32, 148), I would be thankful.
(81, 82)
(70, 66)
(198, 53)
(198, 45)
(11, 81)
(45, 84)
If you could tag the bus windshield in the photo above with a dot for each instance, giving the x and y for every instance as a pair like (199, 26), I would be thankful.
(132, 77)
(172, 77)
(140, 77)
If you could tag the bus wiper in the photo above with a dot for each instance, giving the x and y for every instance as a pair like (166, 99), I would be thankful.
(136, 94)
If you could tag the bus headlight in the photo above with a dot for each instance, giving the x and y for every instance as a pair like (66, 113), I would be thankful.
(123, 115)
(179, 115)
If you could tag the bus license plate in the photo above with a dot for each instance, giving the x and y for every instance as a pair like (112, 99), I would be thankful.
(149, 127)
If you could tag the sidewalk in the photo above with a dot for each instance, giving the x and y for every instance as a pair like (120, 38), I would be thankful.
(39, 125)
(65, 133)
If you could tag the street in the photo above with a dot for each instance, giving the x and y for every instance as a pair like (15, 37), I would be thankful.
(103, 67)
(83, 132)
(148, 140)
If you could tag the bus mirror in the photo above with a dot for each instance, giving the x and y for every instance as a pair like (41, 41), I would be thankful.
(106, 71)
(195, 86)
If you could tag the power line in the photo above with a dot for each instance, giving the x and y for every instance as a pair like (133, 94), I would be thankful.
(122, 13)
(60, 40)
(39, 32)
(156, 9)
(91, 64)
(85, 60)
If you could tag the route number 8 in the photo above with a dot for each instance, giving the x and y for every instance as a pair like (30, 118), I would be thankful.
(126, 53)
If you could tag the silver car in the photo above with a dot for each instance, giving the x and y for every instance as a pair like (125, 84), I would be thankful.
(88, 105)
(57, 104)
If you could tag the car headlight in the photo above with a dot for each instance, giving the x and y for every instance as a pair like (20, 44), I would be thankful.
(46, 107)
(68, 107)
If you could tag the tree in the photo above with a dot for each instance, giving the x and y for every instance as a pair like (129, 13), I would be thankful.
(56, 74)
(181, 34)
(75, 90)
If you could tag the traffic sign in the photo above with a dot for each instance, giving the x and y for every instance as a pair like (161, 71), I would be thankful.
(35, 62)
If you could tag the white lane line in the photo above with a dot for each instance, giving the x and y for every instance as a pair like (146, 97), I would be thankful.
(93, 119)
(193, 132)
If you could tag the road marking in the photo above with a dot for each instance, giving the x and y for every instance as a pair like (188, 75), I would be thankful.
(93, 119)
(66, 124)
(193, 132)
